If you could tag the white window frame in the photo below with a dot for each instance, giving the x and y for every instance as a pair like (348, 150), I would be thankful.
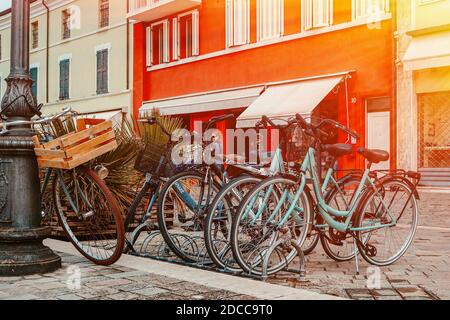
(166, 42)
(101, 47)
(270, 19)
(1, 86)
(363, 9)
(237, 30)
(316, 14)
(176, 34)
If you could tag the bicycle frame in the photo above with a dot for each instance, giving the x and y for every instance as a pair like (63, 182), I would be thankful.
(326, 211)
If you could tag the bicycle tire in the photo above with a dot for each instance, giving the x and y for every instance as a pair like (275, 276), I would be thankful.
(223, 196)
(235, 231)
(163, 225)
(119, 239)
(368, 240)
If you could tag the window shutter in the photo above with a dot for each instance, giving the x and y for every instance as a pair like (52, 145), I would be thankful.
(229, 22)
(175, 39)
(99, 73)
(270, 19)
(34, 77)
(367, 8)
(307, 8)
(149, 53)
(241, 21)
(166, 42)
(321, 13)
(64, 79)
(195, 34)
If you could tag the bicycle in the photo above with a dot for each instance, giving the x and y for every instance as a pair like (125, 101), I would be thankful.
(156, 162)
(82, 201)
(288, 213)
(222, 209)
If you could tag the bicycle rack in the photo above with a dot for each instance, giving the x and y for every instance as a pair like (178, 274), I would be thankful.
(153, 246)
(288, 243)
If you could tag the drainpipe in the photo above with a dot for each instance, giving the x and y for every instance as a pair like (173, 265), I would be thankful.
(394, 84)
(47, 51)
(128, 47)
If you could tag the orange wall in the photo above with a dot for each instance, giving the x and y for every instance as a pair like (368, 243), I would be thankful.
(369, 52)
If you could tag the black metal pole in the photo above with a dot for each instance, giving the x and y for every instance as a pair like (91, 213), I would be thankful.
(21, 249)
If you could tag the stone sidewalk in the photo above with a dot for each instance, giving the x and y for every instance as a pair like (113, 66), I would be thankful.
(106, 283)
(135, 278)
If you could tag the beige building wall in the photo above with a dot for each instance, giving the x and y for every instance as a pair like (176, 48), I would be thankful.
(85, 39)
(429, 13)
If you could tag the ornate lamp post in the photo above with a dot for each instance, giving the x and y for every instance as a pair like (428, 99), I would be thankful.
(21, 234)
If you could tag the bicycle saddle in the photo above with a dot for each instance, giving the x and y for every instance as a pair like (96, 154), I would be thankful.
(338, 149)
(374, 155)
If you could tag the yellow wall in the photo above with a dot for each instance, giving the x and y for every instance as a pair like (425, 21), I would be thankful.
(82, 48)
(429, 13)
(432, 80)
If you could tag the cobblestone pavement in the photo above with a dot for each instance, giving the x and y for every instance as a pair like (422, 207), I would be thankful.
(106, 283)
(423, 273)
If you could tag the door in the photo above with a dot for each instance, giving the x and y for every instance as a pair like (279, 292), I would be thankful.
(379, 134)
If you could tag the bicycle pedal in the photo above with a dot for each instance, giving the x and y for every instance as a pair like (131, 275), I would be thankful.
(87, 214)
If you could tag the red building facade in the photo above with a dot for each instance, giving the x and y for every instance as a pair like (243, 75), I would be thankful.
(201, 58)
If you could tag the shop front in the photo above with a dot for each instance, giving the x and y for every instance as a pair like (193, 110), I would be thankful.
(428, 60)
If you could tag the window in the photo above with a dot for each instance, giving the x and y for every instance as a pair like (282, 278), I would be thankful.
(35, 35)
(64, 79)
(34, 77)
(316, 13)
(158, 43)
(238, 22)
(270, 19)
(102, 71)
(66, 24)
(369, 8)
(104, 13)
(186, 36)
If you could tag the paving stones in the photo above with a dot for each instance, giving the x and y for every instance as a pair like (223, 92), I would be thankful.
(105, 283)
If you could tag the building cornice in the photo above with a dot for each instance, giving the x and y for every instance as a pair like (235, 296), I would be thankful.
(428, 30)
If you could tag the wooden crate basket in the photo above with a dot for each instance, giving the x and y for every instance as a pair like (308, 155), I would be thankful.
(93, 139)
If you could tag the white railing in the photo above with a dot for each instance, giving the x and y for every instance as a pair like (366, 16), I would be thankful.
(135, 5)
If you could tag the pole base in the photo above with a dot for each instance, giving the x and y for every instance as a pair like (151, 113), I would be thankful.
(23, 253)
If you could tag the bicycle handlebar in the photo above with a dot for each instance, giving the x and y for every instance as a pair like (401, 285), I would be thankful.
(317, 129)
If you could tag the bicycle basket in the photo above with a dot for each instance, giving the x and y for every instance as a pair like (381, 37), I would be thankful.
(148, 159)
(297, 143)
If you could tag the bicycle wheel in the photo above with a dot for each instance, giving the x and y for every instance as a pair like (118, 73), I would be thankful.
(258, 229)
(219, 219)
(392, 203)
(182, 207)
(338, 245)
(137, 208)
(89, 214)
